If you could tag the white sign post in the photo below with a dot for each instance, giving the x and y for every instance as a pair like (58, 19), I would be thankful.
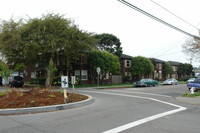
(64, 85)
(73, 81)
(98, 71)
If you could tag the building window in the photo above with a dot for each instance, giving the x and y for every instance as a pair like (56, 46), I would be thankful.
(174, 68)
(127, 73)
(160, 66)
(84, 74)
(33, 75)
(81, 74)
(127, 63)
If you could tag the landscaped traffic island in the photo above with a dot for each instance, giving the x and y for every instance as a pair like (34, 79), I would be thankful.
(39, 100)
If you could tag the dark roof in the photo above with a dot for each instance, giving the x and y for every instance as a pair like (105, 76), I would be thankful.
(174, 63)
(124, 56)
(157, 60)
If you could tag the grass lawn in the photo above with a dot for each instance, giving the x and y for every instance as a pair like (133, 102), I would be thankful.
(192, 95)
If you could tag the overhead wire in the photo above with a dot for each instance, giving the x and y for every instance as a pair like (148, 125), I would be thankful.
(156, 18)
(169, 47)
(174, 14)
(177, 52)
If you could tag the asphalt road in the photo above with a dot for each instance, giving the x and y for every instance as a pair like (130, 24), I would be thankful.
(130, 110)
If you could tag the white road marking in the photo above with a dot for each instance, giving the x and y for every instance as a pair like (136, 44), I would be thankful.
(141, 93)
(135, 89)
(141, 121)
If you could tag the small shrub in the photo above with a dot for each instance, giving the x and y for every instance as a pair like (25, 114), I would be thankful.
(61, 91)
(191, 95)
(126, 79)
(40, 81)
(2, 94)
(52, 96)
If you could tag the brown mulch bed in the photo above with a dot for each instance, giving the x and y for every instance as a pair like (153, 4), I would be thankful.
(34, 98)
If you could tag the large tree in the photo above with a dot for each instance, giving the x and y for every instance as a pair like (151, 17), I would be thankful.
(110, 43)
(49, 37)
(192, 48)
(185, 70)
(107, 62)
(12, 47)
(167, 69)
(141, 66)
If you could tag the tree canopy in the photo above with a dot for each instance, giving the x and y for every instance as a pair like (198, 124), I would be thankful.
(110, 43)
(54, 35)
(12, 47)
(141, 66)
(50, 36)
(185, 69)
(106, 61)
(167, 69)
(192, 48)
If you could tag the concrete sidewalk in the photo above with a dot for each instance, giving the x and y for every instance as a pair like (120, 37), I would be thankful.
(190, 100)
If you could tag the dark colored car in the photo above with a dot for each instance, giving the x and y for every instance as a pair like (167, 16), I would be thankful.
(1, 81)
(146, 82)
(16, 81)
(195, 84)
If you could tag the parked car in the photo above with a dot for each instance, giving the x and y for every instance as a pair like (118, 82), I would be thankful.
(191, 80)
(195, 84)
(146, 82)
(171, 81)
(16, 81)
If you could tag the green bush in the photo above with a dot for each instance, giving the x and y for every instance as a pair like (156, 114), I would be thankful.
(191, 95)
(57, 81)
(52, 96)
(2, 94)
(126, 79)
(40, 81)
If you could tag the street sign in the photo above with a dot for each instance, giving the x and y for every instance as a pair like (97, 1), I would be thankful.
(98, 70)
(64, 82)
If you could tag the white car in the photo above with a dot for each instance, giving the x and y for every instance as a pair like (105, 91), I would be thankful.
(191, 80)
(171, 81)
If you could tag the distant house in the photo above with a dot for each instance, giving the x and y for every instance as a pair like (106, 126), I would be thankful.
(196, 71)
(125, 61)
(158, 69)
(79, 68)
(175, 69)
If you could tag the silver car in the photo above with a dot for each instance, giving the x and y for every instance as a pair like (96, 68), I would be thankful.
(191, 80)
(170, 81)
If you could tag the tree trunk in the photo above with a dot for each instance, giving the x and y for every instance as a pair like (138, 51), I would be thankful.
(47, 82)
(6, 82)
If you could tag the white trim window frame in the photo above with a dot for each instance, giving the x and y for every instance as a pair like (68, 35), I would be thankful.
(127, 63)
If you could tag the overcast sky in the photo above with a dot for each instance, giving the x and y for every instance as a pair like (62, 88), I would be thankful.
(139, 34)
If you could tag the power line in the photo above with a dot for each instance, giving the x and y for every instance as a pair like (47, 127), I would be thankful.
(156, 18)
(177, 52)
(173, 14)
(168, 48)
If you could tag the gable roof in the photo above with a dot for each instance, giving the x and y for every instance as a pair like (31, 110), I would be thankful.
(157, 60)
(124, 56)
(174, 63)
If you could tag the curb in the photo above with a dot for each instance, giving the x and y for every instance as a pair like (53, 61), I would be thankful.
(190, 100)
(51, 108)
